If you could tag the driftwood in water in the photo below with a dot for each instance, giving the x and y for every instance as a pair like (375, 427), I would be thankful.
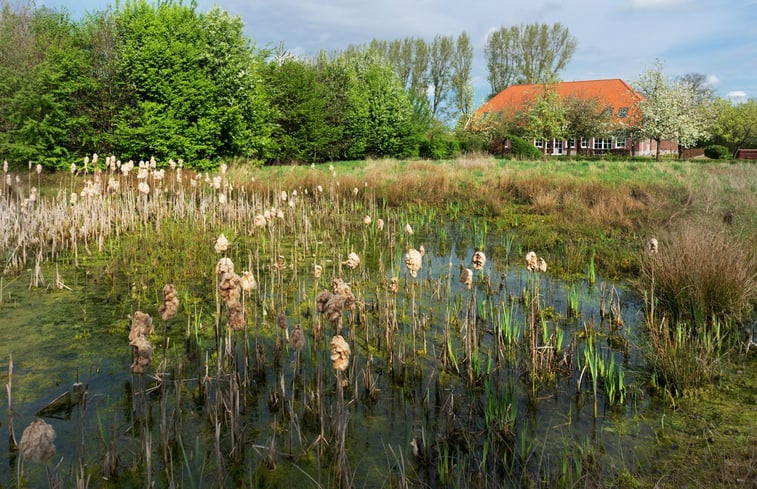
(64, 402)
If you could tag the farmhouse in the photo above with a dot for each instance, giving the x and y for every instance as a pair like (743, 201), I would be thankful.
(612, 95)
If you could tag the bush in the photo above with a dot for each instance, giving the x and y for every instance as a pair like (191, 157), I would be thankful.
(523, 149)
(717, 152)
(439, 146)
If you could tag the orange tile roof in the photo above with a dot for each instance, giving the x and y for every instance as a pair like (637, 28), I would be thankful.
(614, 92)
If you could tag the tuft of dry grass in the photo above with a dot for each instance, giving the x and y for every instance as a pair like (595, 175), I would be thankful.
(702, 272)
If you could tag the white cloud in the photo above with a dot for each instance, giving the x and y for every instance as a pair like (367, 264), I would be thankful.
(713, 81)
(654, 4)
(736, 94)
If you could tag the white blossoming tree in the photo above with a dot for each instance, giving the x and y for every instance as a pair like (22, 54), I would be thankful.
(670, 110)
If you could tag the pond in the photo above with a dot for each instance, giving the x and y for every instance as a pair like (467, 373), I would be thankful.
(521, 378)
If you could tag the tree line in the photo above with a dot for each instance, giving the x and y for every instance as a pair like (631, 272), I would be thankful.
(164, 80)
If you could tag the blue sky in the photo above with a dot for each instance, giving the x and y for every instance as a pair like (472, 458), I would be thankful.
(615, 38)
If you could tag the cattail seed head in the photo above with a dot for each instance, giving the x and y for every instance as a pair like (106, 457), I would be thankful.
(413, 261)
(317, 271)
(466, 277)
(144, 352)
(531, 261)
(297, 339)
(247, 281)
(479, 260)
(170, 302)
(353, 260)
(224, 265)
(408, 229)
(222, 244)
(340, 353)
(367, 220)
(394, 285)
(37, 441)
(380, 224)
(652, 246)
(141, 325)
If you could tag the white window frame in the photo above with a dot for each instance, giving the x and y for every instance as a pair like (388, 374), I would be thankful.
(584, 143)
(539, 143)
(620, 143)
(602, 143)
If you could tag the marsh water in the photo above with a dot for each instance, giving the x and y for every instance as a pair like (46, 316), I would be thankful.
(416, 406)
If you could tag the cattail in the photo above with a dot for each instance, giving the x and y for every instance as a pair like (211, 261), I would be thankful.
(466, 277)
(38, 168)
(260, 221)
(367, 220)
(73, 167)
(229, 287)
(284, 195)
(72, 198)
(394, 285)
(144, 188)
(413, 261)
(653, 246)
(279, 265)
(541, 265)
(319, 188)
(224, 167)
(408, 229)
(380, 224)
(340, 353)
(235, 319)
(321, 300)
(479, 259)
(353, 260)
(281, 320)
(317, 271)
(144, 352)
(224, 265)
(247, 281)
(222, 198)
(222, 244)
(531, 261)
(339, 286)
(297, 339)
(141, 325)
(37, 441)
(170, 302)
(355, 191)
(5, 166)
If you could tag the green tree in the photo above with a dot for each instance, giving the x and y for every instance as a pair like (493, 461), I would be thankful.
(440, 71)
(192, 85)
(45, 86)
(670, 110)
(545, 116)
(735, 125)
(585, 118)
(298, 102)
(460, 82)
(533, 53)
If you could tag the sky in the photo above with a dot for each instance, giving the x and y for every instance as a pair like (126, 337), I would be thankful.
(615, 38)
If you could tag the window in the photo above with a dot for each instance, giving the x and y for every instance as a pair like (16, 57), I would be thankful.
(623, 112)
(602, 143)
(539, 143)
(584, 143)
(620, 142)
(571, 143)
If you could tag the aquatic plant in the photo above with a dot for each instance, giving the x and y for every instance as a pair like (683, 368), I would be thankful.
(413, 261)
(37, 442)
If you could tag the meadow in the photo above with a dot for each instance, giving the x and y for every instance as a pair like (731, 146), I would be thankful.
(382, 323)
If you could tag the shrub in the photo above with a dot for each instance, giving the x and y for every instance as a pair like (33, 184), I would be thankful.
(439, 146)
(523, 149)
(717, 152)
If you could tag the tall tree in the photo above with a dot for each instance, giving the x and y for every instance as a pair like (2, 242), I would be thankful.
(699, 84)
(419, 77)
(545, 116)
(670, 110)
(440, 70)
(461, 84)
(533, 53)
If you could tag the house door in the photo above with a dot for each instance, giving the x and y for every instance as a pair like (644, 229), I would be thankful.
(557, 145)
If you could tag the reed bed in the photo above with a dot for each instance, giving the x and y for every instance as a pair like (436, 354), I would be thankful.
(293, 309)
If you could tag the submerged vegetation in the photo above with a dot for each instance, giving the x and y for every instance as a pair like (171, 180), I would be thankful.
(476, 322)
